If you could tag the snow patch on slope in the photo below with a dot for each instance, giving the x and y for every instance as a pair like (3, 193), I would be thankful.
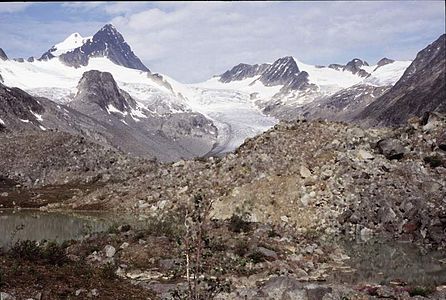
(38, 117)
(388, 74)
(72, 42)
(327, 79)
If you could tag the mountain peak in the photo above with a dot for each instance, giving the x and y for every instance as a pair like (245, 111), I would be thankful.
(281, 72)
(355, 65)
(242, 71)
(109, 27)
(107, 42)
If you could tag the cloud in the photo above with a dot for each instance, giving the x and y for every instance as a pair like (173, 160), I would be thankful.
(13, 7)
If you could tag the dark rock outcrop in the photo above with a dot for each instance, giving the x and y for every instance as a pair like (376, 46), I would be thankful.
(384, 61)
(285, 71)
(243, 71)
(18, 110)
(99, 88)
(3, 55)
(337, 67)
(391, 148)
(47, 55)
(107, 42)
(422, 88)
(282, 72)
(355, 65)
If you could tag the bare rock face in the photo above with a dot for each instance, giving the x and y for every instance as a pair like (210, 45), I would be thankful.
(242, 71)
(344, 105)
(422, 88)
(18, 110)
(100, 89)
(384, 61)
(283, 71)
(3, 55)
(353, 66)
(107, 42)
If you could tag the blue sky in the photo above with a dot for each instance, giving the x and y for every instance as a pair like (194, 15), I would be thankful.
(193, 41)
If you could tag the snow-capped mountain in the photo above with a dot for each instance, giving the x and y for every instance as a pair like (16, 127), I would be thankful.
(287, 88)
(103, 81)
(155, 95)
(109, 43)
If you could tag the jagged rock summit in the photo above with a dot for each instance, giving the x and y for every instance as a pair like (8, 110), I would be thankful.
(107, 42)
(243, 71)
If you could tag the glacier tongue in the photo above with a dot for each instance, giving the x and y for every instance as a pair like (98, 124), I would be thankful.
(233, 113)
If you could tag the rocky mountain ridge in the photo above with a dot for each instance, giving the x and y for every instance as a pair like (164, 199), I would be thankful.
(422, 88)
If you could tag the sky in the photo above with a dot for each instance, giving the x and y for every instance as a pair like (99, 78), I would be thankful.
(193, 41)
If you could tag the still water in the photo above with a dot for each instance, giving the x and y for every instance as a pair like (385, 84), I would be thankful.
(54, 226)
(378, 261)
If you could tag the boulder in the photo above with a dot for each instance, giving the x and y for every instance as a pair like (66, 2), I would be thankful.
(305, 172)
(6, 296)
(391, 148)
(269, 254)
(441, 141)
(109, 251)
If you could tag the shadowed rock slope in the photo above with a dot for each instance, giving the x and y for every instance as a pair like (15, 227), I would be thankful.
(422, 88)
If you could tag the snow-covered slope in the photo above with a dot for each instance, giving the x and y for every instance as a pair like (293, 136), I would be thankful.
(70, 43)
(58, 82)
(388, 74)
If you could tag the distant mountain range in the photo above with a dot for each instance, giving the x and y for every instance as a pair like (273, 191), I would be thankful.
(98, 88)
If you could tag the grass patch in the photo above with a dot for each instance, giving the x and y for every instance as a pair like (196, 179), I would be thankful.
(433, 161)
(420, 291)
(50, 252)
(239, 223)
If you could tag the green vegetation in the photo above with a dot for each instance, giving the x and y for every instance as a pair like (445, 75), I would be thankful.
(50, 252)
(420, 291)
(433, 161)
(239, 223)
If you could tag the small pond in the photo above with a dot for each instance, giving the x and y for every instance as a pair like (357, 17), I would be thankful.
(378, 262)
(55, 226)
